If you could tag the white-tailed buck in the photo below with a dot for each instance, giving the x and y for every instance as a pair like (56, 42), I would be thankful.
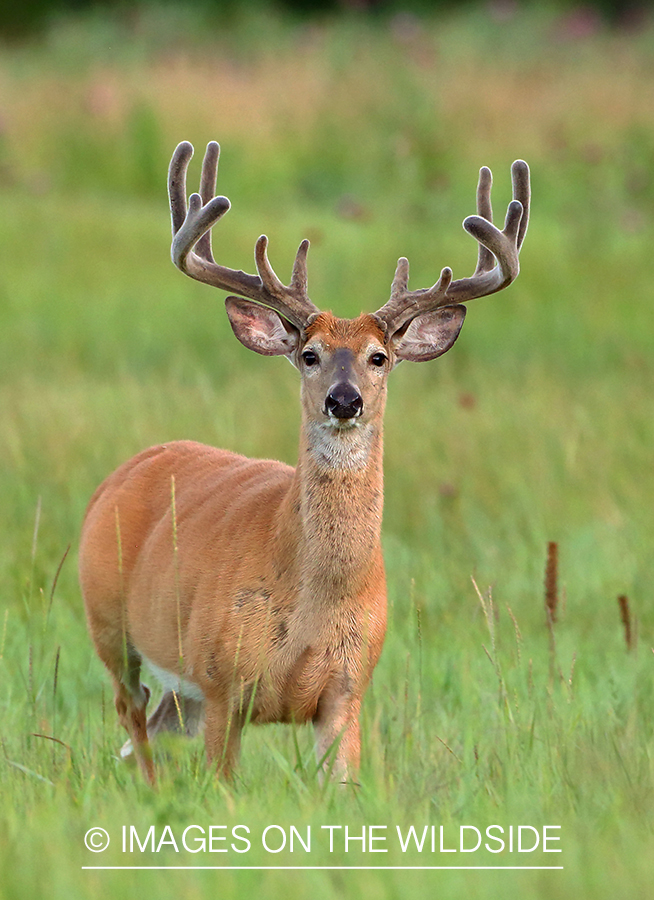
(256, 591)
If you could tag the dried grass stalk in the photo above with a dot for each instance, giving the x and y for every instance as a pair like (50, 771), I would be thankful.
(552, 581)
(625, 616)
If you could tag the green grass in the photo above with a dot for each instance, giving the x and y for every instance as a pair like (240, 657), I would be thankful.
(365, 137)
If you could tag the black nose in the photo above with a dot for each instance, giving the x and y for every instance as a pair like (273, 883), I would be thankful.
(344, 401)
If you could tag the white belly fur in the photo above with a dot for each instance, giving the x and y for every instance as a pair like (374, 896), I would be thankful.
(171, 682)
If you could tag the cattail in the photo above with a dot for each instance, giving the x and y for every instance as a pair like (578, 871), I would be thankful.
(551, 581)
(625, 616)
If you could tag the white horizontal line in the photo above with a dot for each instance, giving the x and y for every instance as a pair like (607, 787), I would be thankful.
(331, 868)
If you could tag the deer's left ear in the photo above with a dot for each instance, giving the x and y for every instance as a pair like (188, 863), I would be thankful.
(429, 335)
(261, 329)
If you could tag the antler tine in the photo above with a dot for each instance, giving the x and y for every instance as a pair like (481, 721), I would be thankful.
(497, 264)
(291, 301)
(299, 278)
(401, 279)
(485, 259)
(207, 192)
(191, 247)
(271, 282)
(177, 183)
(522, 193)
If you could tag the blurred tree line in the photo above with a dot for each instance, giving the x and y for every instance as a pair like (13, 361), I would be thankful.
(18, 20)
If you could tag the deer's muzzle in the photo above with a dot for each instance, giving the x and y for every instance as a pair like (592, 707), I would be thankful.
(344, 401)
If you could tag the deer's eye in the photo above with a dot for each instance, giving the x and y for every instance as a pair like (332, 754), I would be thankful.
(310, 358)
(378, 359)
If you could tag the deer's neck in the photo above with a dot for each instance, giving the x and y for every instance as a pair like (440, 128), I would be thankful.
(337, 501)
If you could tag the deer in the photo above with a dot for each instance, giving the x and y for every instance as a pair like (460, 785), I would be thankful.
(255, 591)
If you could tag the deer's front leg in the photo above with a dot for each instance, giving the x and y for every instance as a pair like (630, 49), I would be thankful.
(222, 736)
(338, 732)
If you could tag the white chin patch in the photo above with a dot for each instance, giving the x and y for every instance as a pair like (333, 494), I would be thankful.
(343, 424)
(341, 443)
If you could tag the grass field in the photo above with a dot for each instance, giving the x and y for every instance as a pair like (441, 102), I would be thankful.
(366, 137)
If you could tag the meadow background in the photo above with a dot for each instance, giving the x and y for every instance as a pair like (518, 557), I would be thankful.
(365, 134)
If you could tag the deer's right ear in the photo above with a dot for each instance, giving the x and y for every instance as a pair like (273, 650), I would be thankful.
(261, 329)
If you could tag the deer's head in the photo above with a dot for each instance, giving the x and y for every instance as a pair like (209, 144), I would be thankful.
(344, 363)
